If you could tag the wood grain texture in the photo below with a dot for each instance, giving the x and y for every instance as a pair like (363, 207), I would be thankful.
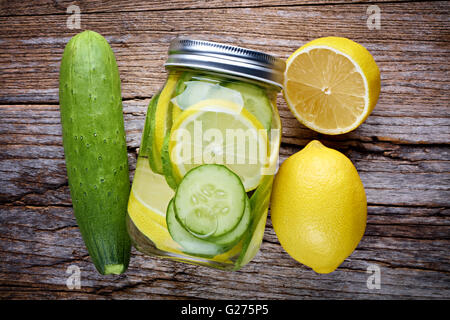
(46, 7)
(412, 55)
(401, 152)
(32, 133)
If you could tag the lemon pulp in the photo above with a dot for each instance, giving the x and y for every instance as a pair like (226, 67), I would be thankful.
(331, 84)
(237, 139)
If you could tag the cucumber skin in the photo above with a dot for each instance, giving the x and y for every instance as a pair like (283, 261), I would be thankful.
(95, 148)
(171, 180)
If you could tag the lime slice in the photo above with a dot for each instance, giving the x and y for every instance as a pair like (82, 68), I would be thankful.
(221, 132)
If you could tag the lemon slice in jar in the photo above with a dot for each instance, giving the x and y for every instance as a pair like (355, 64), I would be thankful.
(149, 195)
(147, 209)
(222, 132)
(147, 206)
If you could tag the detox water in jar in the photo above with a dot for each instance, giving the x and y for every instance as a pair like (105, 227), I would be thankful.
(208, 154)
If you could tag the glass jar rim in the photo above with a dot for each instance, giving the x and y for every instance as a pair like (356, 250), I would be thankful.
(228, 59)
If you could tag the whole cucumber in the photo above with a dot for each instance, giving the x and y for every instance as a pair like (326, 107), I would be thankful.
(95, 149)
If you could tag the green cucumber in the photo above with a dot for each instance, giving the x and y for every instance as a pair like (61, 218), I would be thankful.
(191, 245)
(95, 149)
(255, 101)
(210, 201)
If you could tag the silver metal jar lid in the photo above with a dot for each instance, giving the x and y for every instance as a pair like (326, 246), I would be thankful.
(227, 59)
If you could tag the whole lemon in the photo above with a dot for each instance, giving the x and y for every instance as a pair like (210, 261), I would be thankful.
(318, 207)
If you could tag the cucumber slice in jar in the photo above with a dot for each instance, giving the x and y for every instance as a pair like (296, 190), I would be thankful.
(167, 168)
(181, 86)
(210, 201)
(146, 136)
(255, 101)
(233, 237)
(191, 245)
(193, 88)
(193, 76)
(154, 156)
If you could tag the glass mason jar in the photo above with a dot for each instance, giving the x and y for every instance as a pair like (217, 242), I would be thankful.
(217, 109)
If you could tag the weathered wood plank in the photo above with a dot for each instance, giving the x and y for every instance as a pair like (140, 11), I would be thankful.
(392, 174)
(409, 244)
(46, 7)
(39, 243)
(401, 152)
(38, 126)
(411, 53)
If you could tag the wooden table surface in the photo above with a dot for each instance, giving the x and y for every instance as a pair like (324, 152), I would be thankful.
(401, 152)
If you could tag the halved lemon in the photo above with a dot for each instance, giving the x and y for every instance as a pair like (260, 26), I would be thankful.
(219, 131)
(331, 84)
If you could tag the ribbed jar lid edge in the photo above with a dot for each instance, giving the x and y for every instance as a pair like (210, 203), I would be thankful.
(228, 59)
